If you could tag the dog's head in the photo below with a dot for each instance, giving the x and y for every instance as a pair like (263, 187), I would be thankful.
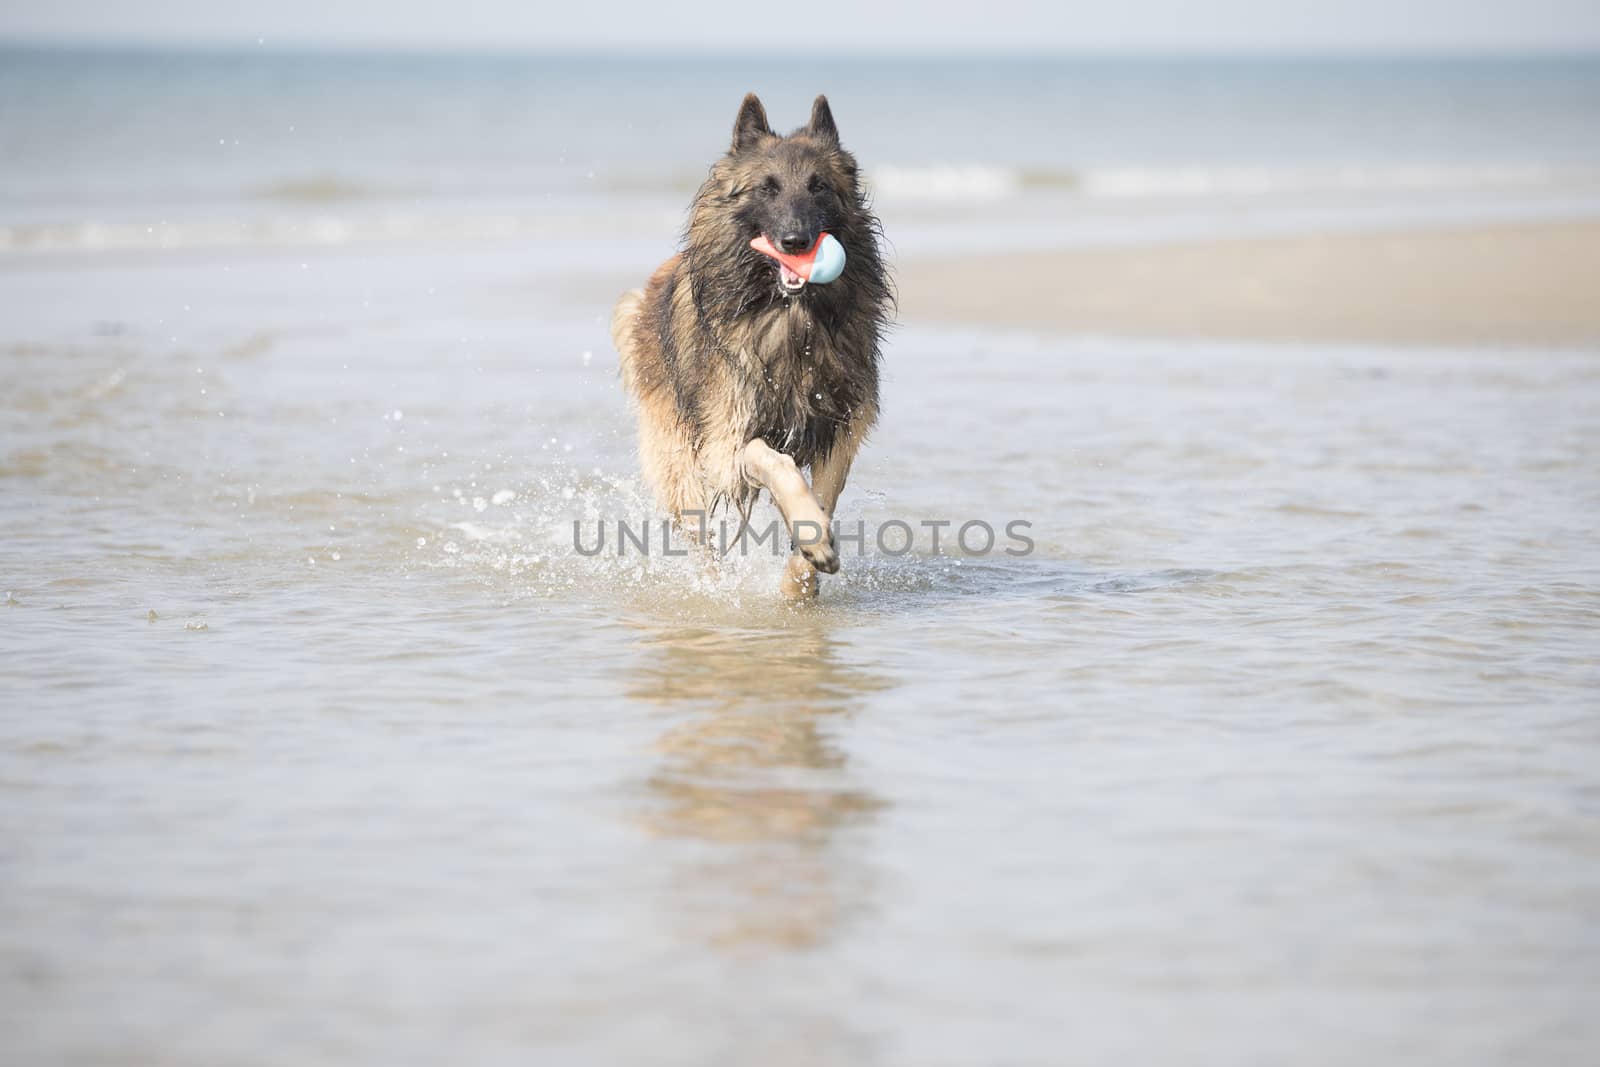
(788, 189)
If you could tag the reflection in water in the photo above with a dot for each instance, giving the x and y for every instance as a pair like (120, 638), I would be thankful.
(750, 770)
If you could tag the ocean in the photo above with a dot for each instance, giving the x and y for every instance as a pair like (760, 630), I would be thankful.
(323, 742)
(150, 149)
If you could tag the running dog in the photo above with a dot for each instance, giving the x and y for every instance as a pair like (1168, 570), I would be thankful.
(743, 374)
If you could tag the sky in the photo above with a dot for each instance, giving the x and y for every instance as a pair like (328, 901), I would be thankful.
(787, 27)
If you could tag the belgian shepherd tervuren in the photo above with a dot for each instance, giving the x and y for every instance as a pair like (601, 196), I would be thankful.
(743, 373)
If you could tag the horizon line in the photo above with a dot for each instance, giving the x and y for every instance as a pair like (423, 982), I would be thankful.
(263, 46)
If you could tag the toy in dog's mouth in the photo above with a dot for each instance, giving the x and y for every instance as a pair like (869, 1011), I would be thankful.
(819, 264)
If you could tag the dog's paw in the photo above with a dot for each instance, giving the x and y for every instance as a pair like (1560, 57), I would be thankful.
(822, 555)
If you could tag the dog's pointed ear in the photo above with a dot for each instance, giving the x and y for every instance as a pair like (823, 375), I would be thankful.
(751, 125)
(822, 126)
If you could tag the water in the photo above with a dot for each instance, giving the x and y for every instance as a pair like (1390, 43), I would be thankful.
(262, 147)
(320, 745)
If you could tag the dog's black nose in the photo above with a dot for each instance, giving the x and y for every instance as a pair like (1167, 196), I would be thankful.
(795, 241)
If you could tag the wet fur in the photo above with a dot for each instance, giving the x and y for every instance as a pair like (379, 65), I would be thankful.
(716, 354)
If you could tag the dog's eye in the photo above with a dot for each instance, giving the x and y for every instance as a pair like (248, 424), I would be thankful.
(816, 184)
(769, 187)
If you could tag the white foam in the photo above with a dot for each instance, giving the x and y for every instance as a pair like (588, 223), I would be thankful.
(1261, 181)
(583, 233)
(952, 182)
(946, 182)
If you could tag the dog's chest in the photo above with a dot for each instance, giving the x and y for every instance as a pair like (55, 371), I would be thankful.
(799, 385)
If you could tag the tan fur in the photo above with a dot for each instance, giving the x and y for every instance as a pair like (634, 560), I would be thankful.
(738, 385)
(688, 482)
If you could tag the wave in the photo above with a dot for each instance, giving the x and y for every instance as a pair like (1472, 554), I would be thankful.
(286, 232)
(946, 182)
(949, 183)
(1257, 181)
(309, 213)
(958, 182)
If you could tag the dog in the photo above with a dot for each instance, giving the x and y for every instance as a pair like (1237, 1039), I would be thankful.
(741, 372)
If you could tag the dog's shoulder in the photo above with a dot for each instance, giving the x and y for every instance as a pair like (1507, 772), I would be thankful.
(663, 274)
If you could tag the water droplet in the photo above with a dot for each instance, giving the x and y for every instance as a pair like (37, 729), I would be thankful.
(422, 542)
(503, 497)
(196, 624)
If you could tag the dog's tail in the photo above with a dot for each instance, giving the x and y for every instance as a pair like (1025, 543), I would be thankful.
(624, 319)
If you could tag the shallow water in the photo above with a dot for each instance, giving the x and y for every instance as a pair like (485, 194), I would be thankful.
(322, 745)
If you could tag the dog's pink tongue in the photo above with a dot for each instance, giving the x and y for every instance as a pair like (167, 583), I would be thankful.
(798, 265)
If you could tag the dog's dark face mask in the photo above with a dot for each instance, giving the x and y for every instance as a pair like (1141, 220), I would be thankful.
(789, 191)
(787, 188)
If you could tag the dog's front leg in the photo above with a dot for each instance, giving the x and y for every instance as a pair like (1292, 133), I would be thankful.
(807, 521)
(828, 473)
(828, 476)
